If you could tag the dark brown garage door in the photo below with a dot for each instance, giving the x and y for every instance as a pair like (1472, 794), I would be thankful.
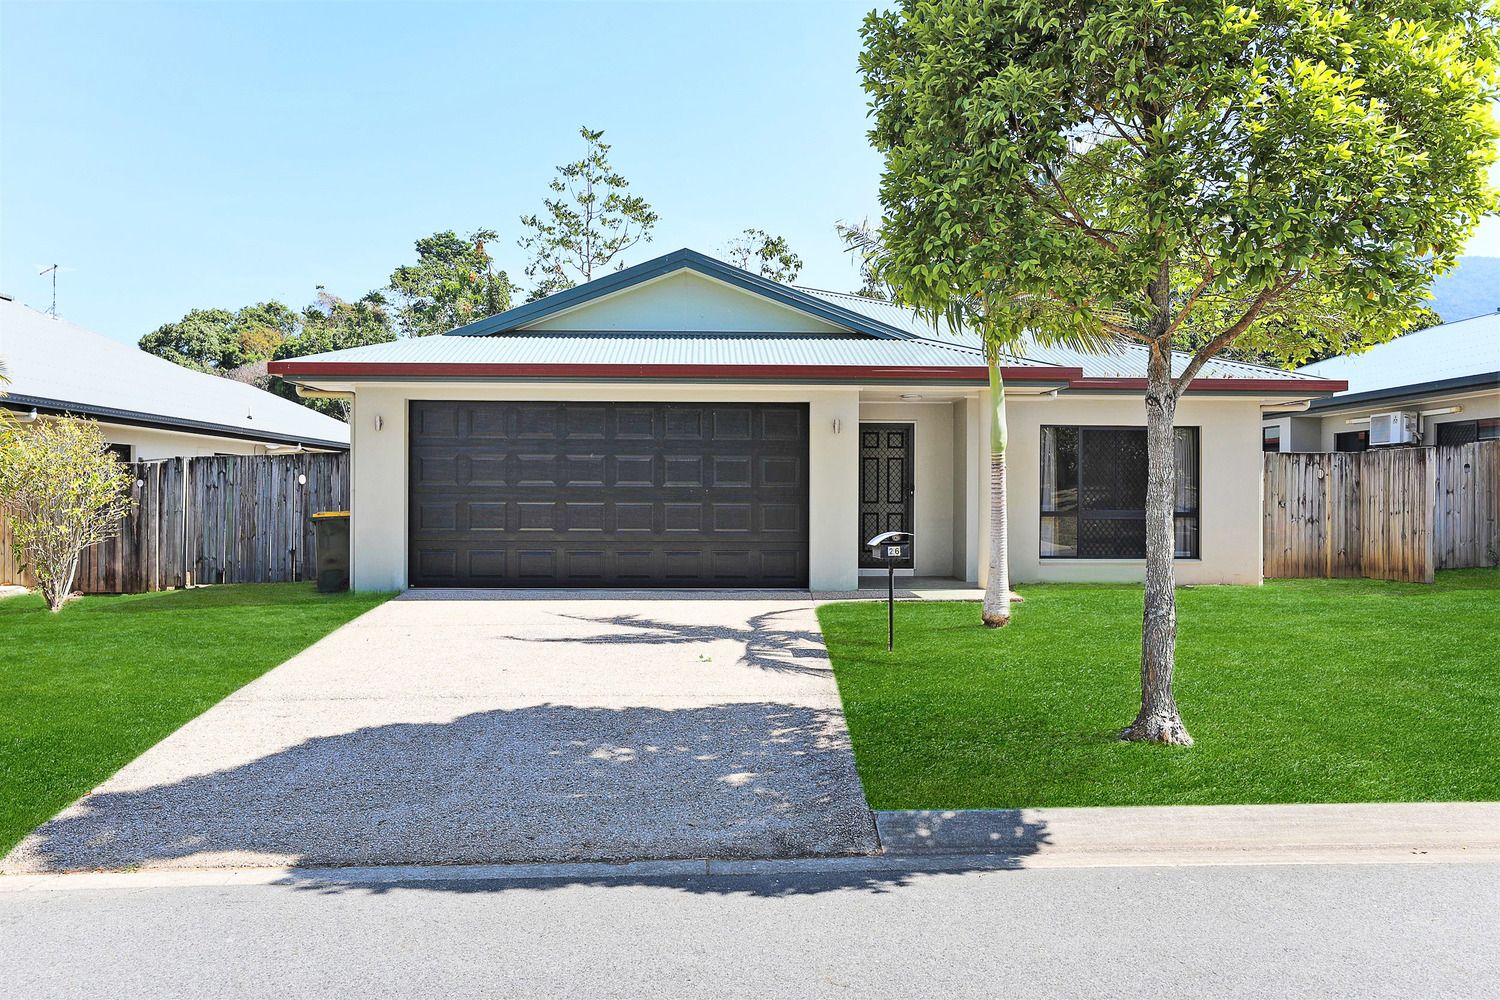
(531, 494)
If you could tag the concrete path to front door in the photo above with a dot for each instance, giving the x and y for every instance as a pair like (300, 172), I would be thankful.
(482, 727)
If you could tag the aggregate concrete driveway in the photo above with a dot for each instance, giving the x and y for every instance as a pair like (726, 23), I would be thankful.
(475, 727)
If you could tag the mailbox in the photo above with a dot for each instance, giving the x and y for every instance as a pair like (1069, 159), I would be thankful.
(891, 546)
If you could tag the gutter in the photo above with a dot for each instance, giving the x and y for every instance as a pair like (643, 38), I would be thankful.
(109, 414)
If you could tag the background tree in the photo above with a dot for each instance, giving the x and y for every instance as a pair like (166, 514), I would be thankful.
(217, 340)
(588, 226)
(331, 324)
(1285, 177)
(758, 252)
(453, 282)
(62, 492)
(238, 344)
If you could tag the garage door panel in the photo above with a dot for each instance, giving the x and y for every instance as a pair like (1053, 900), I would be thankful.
(602, 494)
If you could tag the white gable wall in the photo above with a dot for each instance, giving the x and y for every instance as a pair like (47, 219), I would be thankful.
(682, 302)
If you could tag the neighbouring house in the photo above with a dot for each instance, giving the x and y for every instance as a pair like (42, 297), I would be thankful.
(1438, 386)
(147, 407)
(684, 423)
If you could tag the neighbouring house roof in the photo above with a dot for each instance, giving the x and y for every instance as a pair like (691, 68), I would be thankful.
(873, 341)
(56, 366)
(1452, 357)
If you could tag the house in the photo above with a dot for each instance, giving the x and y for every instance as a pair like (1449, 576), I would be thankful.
(147, 407)
(685, 423)
(1442, 384)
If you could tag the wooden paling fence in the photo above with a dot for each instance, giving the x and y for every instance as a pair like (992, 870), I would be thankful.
(225, 519)
(1390, 514)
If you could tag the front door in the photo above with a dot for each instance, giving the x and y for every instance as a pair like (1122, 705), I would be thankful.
(886, 487)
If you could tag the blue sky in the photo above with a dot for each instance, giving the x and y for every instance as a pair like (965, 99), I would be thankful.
(178, 155)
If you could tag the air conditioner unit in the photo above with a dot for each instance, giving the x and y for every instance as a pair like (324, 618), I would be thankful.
(1399, 427)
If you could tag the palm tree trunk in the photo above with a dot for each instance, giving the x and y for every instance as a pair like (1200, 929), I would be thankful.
(996, 613)
(1159, 721)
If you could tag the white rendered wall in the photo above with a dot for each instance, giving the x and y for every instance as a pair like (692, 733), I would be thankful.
(1229, 489)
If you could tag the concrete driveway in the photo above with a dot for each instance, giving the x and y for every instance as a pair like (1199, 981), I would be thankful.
(474, 727)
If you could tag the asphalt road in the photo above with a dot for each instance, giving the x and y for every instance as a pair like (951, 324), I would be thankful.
(1409, 931)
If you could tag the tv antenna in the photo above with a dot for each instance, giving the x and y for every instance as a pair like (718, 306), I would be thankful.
(53, 271)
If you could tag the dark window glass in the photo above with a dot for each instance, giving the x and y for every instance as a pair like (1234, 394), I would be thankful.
(1352, 441)
(1094, 492)
(120, 451)
(1270, 439)
(1467, 431)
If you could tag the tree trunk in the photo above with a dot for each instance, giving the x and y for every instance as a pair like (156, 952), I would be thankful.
(1158, 721)
(57, 589)
(996, 613)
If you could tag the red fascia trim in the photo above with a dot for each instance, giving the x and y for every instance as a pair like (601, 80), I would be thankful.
(846, 373)
(1278, 385)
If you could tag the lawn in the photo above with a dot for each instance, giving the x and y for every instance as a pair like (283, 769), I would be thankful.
(1298, 691)
(85, 691)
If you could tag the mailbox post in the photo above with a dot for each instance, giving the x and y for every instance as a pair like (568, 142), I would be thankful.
(890, 546)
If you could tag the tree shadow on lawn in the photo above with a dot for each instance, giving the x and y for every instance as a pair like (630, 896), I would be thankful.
(539, 784)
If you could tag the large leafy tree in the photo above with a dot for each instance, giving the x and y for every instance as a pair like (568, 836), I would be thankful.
(218, 340)
(589, 223)
(1284, 177)
(453, 282)
(758, 252)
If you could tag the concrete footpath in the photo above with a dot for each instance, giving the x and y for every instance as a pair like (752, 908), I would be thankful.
(953, 842)
(1187, 835)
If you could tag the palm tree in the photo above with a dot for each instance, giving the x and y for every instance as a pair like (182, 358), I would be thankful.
(1004, 332)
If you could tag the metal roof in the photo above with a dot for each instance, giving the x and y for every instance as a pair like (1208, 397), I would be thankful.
(1128, 361)
(632, 348)
(882, 338)
(1469, 347)
(53, 364)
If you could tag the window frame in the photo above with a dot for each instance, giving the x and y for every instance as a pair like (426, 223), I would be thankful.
(1480, 424)
(1196, 513)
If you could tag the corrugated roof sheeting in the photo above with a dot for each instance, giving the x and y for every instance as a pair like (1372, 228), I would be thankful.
(663, 349)
(1127, 362)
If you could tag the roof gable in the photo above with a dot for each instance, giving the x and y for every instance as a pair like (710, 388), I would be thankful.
(685, 301)
(693, 292)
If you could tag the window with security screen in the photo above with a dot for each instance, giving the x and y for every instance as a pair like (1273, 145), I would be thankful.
(1094, 492)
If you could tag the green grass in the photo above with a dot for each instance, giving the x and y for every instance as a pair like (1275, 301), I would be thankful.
(1298, 691)
(85, 691)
